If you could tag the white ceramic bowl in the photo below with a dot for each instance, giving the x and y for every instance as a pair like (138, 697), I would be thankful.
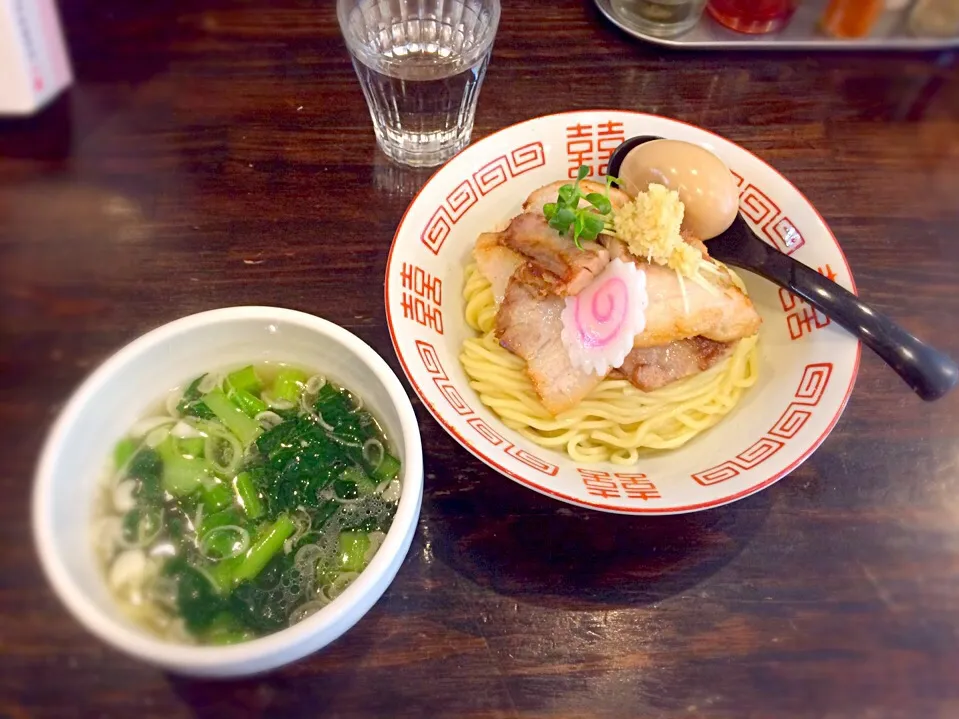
(123, 388)
(808, 364)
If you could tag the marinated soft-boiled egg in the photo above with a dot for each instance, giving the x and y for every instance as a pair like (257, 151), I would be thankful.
(705, 185)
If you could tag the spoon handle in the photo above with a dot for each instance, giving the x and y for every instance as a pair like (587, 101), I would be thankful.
(928, 371)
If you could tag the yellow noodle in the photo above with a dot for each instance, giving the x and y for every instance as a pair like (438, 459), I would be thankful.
(616, 421)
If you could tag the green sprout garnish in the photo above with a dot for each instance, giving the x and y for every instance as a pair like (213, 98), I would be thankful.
(587, 222)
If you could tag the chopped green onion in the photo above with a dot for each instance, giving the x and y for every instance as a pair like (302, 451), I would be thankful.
(181, 475)
(245, 379)
(364, 485)
(248, 496)
(222, 573)
(289, 383)
(388, 469)
(192, 446)
(267, 544)
(224, 542)
(353, 548)
(123, 451)
(219, 519)
(249, 403)
(245, 428)
(216, 496)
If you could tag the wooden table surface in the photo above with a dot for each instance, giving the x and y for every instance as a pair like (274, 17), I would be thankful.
(205, 134)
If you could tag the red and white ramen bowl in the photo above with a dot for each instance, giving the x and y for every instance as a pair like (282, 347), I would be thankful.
(808, 364)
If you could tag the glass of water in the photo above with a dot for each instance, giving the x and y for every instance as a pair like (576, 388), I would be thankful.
(421, 64)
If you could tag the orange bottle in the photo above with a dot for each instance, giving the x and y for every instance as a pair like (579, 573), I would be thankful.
(851, 18)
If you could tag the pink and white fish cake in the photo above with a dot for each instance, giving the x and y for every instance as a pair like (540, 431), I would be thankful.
(600, 323)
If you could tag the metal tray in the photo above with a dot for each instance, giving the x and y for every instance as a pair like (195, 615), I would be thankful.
(801, 33)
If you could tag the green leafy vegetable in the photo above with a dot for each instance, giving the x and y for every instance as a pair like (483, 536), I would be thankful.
(191, 403)
(257, 608)
(298, 460)
(196, 598)
(345, 489)
(141, 524)
(566, 214)
(324, 514)
(146, 468)
(236, 488)
(337, 408)
(264, 603)
(227, 629)
(353, 483)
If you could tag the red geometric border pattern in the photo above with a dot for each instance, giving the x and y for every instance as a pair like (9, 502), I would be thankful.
(812, 387)
(793, 420)
(431, 362)
(494, 173)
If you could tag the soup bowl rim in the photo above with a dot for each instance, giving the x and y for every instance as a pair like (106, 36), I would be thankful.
(287, 644)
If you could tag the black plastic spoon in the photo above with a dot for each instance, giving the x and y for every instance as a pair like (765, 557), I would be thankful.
(928, 371)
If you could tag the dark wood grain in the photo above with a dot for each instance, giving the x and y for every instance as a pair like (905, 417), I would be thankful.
(205, 134)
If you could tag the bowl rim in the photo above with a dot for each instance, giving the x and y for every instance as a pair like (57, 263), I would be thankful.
(339, 612)
(555, 494)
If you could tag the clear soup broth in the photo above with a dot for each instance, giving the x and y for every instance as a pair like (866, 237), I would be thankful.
(244, 503)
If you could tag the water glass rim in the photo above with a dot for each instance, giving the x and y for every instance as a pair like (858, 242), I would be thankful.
(344, 8)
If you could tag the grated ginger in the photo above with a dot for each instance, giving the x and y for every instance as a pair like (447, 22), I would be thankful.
(650, 227)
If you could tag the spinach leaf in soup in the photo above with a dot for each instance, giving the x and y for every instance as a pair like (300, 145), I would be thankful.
(191, 404)
(197, 600)
(297, 460)
(146, 468)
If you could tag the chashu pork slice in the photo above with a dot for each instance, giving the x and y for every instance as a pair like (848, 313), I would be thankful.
(531, 236)
(529, 325)
(723, 315)
(650, 368)
(496, 262)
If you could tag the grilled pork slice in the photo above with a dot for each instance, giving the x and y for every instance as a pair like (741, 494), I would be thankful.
(548, 193)
(529, 325)
(530, 235)
(496, 262)
(650, 368)
(724, 315)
